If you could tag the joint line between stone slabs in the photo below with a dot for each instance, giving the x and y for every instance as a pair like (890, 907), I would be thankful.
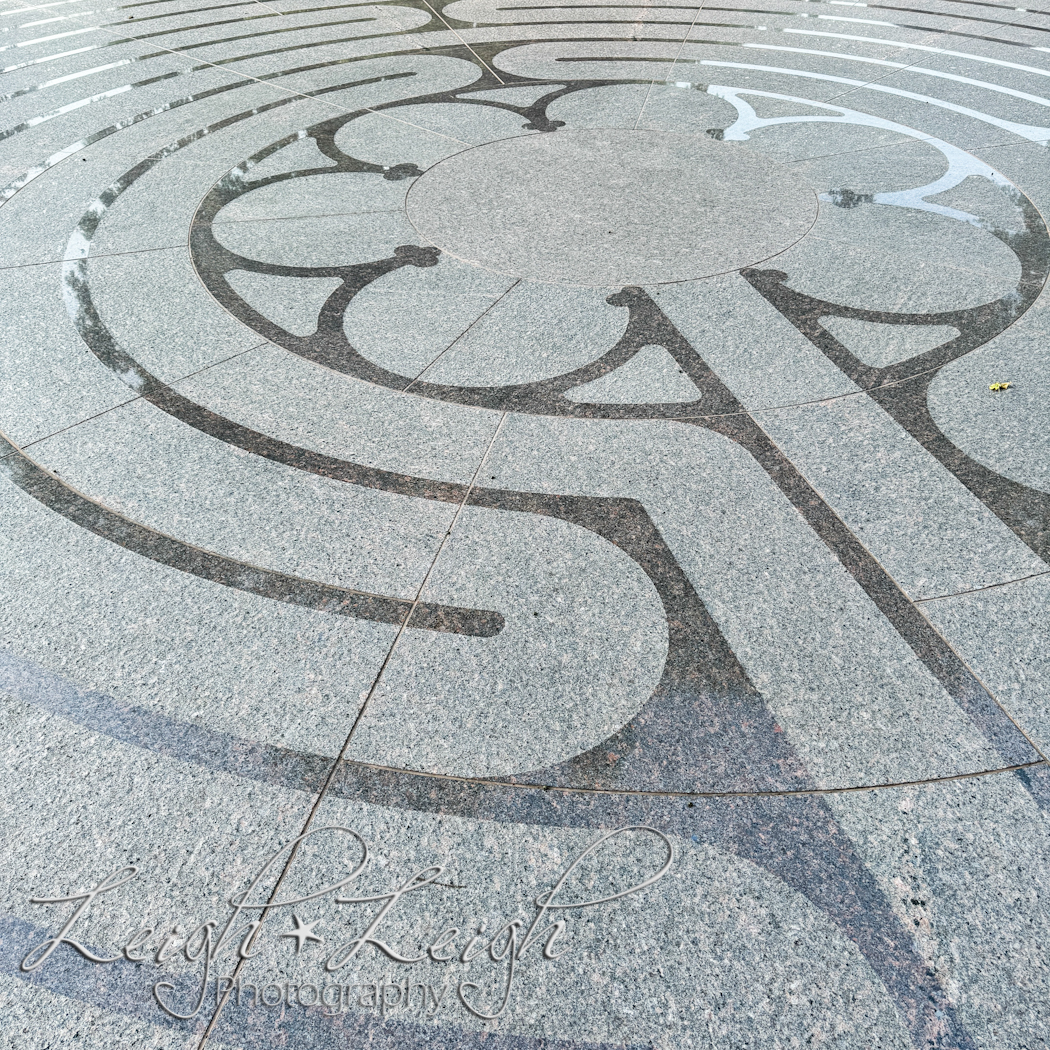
(132, 400)
(886, 594)
(338, 760)
(276, 10)
(521, 785)
(948, 267)
(441, 19)
(488, 309)
(865, 149)
(981, 682)
(904, 69)
(419, 596)
(767, 409)
(674, 62)
(979, 590)
(99, 255)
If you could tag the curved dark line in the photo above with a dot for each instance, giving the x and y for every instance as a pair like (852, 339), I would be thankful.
(901, 389)
(304, 771)
(99, 340)
(535, 113)
(37, 119)
(795, 838)
(243, 36)
(784, 13)
(219, 7)
(454, 47)
(611, 22)
(11, 188)
(772, 13)
(935, 14)
(701, 669)
(1024, 509)
(56, 495)
(29, 124)
(726, 25)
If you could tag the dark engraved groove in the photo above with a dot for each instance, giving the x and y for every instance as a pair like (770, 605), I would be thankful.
(15, 185)
(700, 668)
(902, 388)
(705, 723)
(938, 657)
(1024, 509)
(100, 341)
(695, 674)
(958, 680)
(266, 583)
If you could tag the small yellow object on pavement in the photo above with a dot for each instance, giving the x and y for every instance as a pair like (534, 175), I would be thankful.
(999, 386)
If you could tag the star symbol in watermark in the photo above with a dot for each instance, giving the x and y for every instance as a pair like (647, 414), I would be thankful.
(303, 932)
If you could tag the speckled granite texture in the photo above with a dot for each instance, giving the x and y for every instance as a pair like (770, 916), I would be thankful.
(524, 526)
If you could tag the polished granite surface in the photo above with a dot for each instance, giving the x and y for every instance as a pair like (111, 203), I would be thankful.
(525, 526)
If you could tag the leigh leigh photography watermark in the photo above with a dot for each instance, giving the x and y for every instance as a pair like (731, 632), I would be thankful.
(219, 949)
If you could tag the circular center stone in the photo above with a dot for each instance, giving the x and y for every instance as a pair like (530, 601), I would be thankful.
(611, 207)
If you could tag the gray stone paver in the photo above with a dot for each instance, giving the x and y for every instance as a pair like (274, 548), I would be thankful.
(512, 492)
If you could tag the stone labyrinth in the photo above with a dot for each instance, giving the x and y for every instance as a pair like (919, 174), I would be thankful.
(531, 471)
